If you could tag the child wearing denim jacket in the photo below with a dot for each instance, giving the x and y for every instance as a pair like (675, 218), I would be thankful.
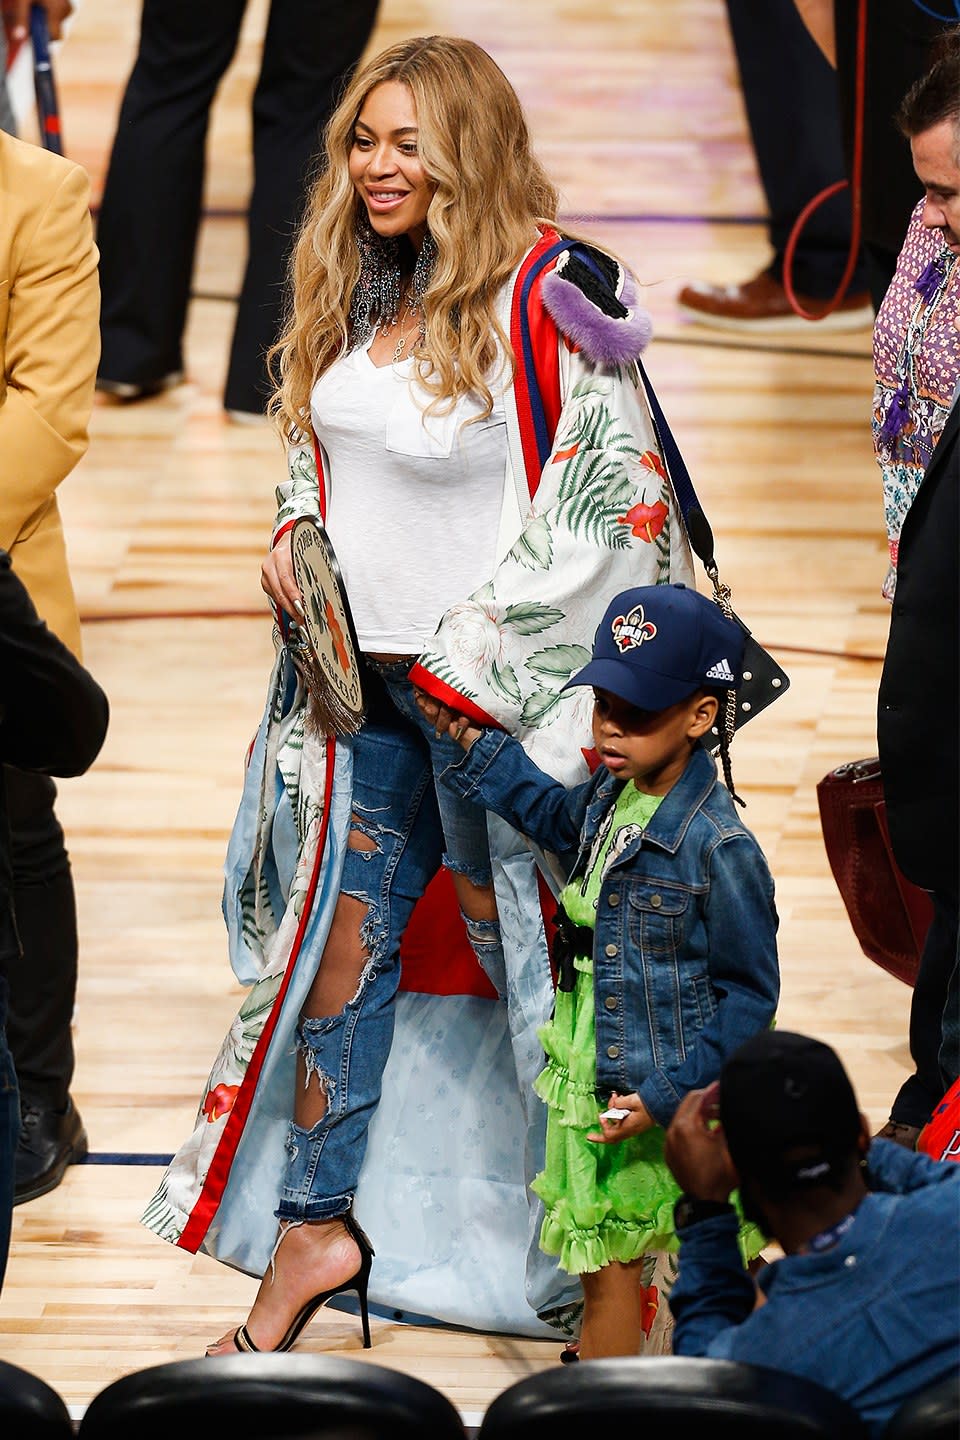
(666, 935)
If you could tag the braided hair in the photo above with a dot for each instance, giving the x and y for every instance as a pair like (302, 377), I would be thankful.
(726, 698)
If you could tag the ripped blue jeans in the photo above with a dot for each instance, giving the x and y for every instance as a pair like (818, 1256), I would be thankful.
(416, 825)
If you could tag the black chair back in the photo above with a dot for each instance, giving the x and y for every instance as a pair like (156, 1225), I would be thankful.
(661, 1394)
(30, 1408)
(932, 1414)
(271, 1397)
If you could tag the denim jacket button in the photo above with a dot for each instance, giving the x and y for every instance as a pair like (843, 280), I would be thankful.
(610, 950)
(613, 900)
(613, 1051)
(611, 1002)
(656, 901)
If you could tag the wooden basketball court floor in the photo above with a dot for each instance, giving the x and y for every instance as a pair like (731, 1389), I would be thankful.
(635, 108)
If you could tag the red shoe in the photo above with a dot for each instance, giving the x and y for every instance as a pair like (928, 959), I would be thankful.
(761, 305)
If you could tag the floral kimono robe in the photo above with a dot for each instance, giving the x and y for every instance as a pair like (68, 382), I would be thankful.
(458, 1134)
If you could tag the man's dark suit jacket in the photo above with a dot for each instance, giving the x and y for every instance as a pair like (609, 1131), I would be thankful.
(53, 714)
(918, 707)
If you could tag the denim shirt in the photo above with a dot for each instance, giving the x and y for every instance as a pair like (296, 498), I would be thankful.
(876, 1318)
(685, 956)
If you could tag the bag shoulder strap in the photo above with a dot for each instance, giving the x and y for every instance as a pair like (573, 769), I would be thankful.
(698, 526)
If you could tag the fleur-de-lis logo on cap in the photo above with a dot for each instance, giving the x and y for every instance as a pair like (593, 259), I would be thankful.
(632, 629)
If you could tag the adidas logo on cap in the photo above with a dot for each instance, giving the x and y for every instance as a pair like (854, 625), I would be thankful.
(721, 671)
(692, 643)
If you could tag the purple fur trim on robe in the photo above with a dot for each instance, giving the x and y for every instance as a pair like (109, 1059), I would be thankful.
(602, 338)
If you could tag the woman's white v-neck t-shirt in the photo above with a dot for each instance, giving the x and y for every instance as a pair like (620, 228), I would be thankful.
(413, 500)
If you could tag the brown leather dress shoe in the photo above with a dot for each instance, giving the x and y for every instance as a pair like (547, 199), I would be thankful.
(900, 1133)
(761, 305)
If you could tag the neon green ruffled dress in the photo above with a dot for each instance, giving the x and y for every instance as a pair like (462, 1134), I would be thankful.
(602, 1202)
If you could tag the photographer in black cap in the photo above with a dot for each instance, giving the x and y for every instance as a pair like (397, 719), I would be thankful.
(864, 1298)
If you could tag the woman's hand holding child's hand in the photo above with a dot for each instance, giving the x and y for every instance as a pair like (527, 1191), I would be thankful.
(446, 721)
(634, 1122)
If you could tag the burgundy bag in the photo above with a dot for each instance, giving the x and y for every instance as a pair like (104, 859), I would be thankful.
(889, 914)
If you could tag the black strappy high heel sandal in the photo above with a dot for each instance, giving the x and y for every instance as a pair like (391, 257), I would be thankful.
(356, 1282)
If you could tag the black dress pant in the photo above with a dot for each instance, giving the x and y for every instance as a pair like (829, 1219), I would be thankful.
(934, 1019)
(790, 94)
(153, 193)
(43, 982)
(9, 1133)
(899, 35)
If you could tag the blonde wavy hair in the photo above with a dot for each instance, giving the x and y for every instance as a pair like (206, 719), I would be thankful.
(490, 193)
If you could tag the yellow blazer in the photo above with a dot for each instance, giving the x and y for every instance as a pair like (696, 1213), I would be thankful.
(50, 336)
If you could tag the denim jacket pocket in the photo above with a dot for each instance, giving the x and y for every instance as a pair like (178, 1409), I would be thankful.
(655, 919)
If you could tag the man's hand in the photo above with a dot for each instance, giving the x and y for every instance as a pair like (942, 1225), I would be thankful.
(695, 1148)
(17, 15)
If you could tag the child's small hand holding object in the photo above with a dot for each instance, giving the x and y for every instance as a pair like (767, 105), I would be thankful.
(446, 721)
(626, 1115)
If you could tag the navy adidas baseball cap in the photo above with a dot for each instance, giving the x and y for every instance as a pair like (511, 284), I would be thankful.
(657, 644)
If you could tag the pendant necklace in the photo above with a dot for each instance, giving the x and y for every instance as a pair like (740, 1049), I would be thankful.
(412, 312)
(401, 344)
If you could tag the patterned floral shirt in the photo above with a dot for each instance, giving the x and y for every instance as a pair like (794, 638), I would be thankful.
(916, 359)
